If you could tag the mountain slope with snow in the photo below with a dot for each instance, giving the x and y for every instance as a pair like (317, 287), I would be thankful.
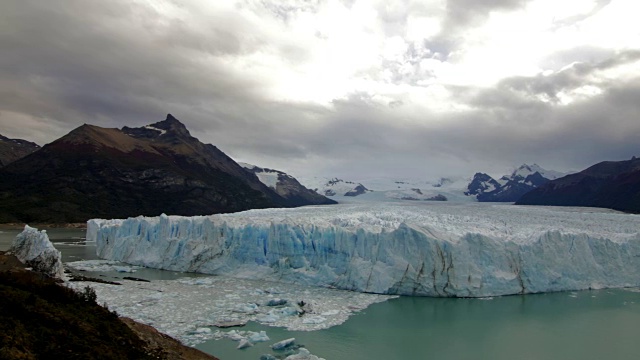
(510, 188)
(336, 187)
(471, 250)
(287, 186)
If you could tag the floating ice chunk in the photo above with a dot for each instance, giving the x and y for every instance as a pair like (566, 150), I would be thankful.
(247, 308)
(33, 248)
(244, 343)
(313, 320)
(281, 345)
(261, 336)
(276, 302)
(234, 335)
(268, 357)
(202, 330)
(303, 354)
(268, 318)
(330, 312)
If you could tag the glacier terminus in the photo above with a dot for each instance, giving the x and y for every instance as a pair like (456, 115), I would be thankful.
(440, 250)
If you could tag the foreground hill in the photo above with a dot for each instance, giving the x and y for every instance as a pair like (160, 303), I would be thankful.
(14, 149)
(41, 319)
(113, 173)
(609, 184)
(509, 188)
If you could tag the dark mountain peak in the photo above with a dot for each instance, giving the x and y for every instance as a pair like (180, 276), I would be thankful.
(171, 124)
(169, 128)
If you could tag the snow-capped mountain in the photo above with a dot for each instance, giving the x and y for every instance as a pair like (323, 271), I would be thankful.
(392, 189)
(336, 187)
(510, 188)
(287, 186)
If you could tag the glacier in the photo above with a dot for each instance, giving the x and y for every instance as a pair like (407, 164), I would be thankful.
(441, 250)
(34, 249)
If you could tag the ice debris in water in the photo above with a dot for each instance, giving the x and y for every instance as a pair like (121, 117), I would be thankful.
(281, 345)
(102, 265)
(188, 308)
(303, 354)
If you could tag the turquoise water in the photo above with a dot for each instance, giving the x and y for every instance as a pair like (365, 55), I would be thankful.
(599, 324)
(603, 324)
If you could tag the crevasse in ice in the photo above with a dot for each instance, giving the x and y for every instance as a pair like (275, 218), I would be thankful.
(431, 250)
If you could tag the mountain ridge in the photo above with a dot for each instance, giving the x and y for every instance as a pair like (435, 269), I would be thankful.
(15, 149)
(509, 188)
(112, 173)
(608, 184)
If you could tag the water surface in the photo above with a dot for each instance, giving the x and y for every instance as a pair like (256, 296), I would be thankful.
(601, 324)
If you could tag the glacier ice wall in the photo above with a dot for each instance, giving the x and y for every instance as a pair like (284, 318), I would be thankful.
(437, 250)
(34, 249)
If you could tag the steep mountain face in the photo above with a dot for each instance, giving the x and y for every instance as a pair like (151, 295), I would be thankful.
(609, 184)
(14, 149)
(509, 188)
(111, 173)
(287, 186)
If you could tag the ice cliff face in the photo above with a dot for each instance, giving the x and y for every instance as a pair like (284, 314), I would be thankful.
(473, 250)
(34, 249)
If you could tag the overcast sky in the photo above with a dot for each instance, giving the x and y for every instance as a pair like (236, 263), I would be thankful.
(349, 88)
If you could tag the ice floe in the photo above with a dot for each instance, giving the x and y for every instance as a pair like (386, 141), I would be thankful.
(188, 308)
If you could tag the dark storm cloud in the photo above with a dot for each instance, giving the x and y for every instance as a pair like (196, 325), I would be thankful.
(523, 91)
(116, 63)
(113, 63)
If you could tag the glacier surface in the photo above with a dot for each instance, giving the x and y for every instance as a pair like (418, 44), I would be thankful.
(435, 249)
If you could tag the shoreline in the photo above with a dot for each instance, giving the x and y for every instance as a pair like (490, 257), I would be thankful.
(40, 226)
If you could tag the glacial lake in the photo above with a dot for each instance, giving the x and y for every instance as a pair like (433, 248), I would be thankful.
(597, 324)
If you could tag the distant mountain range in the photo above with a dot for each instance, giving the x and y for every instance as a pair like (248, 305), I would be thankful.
(14, 149)
(609, 184)
(114, 173)
(509, 188)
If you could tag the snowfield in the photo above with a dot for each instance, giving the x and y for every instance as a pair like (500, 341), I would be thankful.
(425, 249)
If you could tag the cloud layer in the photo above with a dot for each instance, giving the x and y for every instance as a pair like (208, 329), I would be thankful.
(336, 88)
